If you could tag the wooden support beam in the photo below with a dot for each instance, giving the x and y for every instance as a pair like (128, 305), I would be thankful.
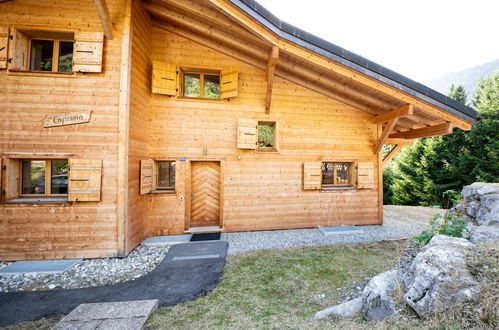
(403, 142)
(105, 19)
(441, 129)
(392, 154)
(269, 76)
(384, 136)
(403, 111)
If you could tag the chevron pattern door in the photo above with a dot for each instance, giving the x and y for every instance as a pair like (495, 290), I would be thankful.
(205, 194)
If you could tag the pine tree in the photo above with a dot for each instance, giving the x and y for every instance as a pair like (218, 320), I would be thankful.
(422, 173)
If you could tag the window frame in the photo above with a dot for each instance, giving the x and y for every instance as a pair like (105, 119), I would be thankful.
(202, 73)
(48, 174)
(273, 123)
(55, 55)
(351, 179)
(156, 187)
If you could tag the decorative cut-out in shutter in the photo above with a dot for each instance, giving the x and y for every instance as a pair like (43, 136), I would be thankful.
(164, 78)
(4, 45)
(18, 51)
(87, 54)
(84, 184)
(365, 175)
(312, 175)
(11, 178)
(146, 173)
(229, 83)
(246, 134)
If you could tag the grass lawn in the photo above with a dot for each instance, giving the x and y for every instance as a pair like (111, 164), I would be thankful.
(280, 288)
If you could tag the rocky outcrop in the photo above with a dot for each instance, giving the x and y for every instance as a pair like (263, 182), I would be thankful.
(484, 234)
(346, 309)
(439, 277)
(480, 203)
(377, 300)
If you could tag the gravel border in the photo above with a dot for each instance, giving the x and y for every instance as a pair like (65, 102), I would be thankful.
(88, 272)
(399, 222)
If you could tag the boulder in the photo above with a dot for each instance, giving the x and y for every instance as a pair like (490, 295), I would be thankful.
(472, 208)
(346, 309)
(488, 212)
(477, 189)
(438, 276)
(485, 234)
(377, 301)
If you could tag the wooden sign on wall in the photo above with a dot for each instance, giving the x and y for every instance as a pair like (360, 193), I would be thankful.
(70, 118)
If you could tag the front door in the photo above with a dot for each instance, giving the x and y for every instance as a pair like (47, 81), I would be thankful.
(205, 194)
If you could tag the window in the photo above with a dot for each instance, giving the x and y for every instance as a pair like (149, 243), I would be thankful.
(337, 174)
(44, 177)
(197, 84)
(51, 55)
(266, 135)
(165, 175)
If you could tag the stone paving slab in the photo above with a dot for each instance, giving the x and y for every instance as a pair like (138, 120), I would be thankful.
(38, 266)
(166, 240)
(124, 315)
(340, 230)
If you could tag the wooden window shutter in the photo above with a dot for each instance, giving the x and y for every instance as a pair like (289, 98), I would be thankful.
(12, 178)
(229, 83)
(164, 78)
(246, 134)
(312, 175)
(146, 169)
(18, 50)
(365, 175)
(84, 184)
(87, 53)
(4, 46)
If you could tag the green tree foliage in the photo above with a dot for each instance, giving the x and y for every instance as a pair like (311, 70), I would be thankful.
(421, 173)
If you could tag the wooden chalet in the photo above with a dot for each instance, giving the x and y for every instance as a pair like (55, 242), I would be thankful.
(123, 119)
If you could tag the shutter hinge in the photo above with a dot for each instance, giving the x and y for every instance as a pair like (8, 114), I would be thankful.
(177, 72)
(4, 167)
(176, 90)
(9, 60)
(11, 37)
(2, 192)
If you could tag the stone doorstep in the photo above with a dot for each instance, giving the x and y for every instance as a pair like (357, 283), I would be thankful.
(38, 267)
(124, 315)
(166, 240)
(340, 230)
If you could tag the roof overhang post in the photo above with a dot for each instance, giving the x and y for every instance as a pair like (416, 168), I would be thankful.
(395, 150)
(105, 19)
(269, 76)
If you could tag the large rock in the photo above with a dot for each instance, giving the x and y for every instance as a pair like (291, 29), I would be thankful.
(488, 211)
(485, 234)
(346, 309)
(477, 189)
(377, 301)
(439, 277)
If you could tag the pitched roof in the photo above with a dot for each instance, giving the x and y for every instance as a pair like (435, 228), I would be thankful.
(354, 61)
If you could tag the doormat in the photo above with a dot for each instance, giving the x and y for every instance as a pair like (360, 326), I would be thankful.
(205, 237)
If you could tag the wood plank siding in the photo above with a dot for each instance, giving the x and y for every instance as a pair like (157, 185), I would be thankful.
(86, 229)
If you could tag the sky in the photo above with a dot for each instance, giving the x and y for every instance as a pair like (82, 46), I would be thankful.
(420, 39)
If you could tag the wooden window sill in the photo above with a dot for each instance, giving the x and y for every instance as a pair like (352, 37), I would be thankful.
(168, 192)
(267, 151)
(198, 99)
(327, 189)
(38, 200)
(42, 74)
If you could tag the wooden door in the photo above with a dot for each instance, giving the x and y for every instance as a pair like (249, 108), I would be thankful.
(205, 194)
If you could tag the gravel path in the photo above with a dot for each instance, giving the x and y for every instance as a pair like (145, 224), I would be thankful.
(399, 222)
